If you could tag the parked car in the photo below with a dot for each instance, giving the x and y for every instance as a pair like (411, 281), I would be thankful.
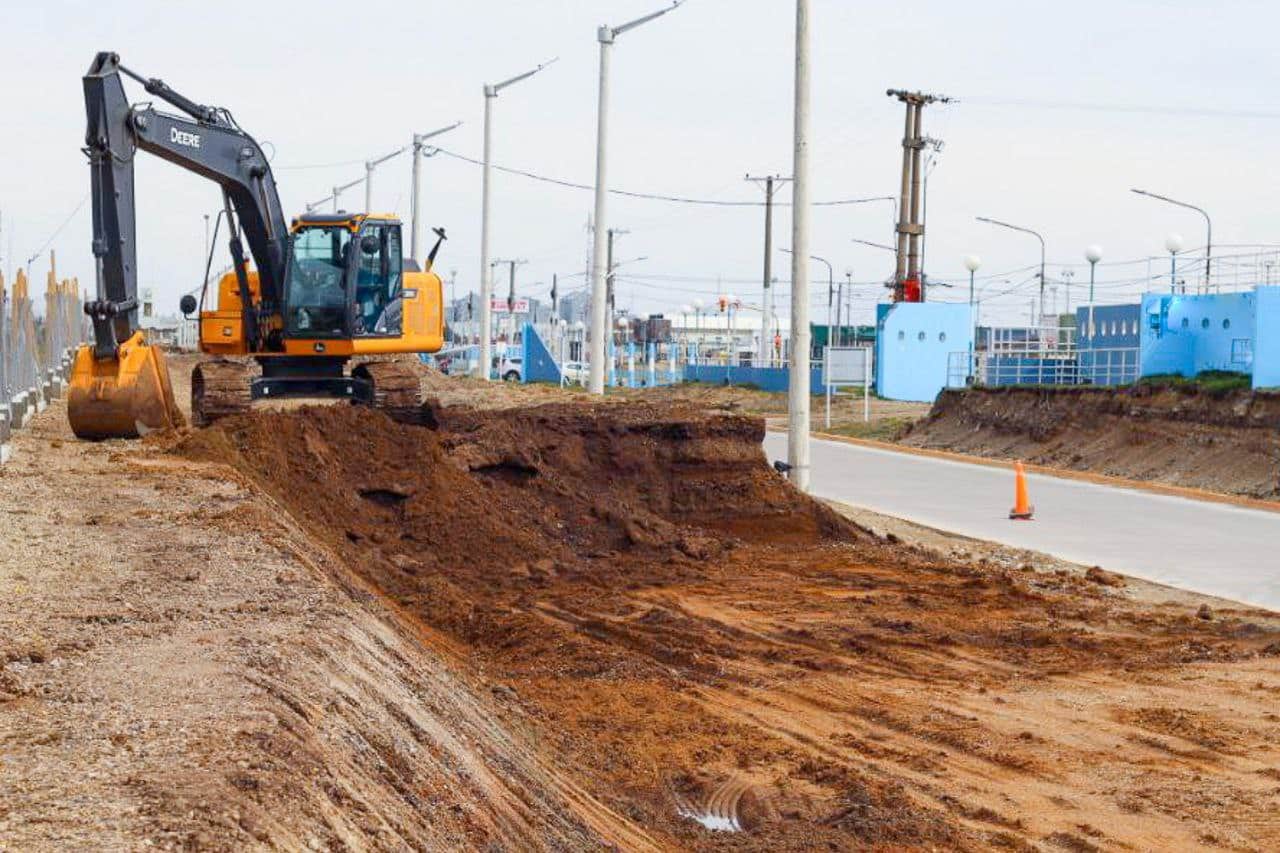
(509, 368)
(576, 371)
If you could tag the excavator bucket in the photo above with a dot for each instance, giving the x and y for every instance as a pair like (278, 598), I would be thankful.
(124, 397)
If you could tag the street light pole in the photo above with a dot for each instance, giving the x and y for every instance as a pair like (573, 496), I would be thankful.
(1208, 247)
(486, 283)
(606, 35)
(1092, 254)
(798, 386)
(415, 200)
(1042, 252)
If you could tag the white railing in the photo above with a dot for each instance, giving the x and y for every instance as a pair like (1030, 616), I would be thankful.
(1117, 366)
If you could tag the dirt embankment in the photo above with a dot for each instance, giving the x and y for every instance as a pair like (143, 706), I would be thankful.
(687, 641)
(1227, 443)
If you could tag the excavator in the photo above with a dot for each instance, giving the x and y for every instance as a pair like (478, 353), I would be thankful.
(326, 307)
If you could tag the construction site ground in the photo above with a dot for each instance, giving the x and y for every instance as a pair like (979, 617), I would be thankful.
(550, 623)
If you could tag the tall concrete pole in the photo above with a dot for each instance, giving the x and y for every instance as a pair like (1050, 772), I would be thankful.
(486, 283)
(599, 325)
(913, 243)
(767, 307)
(606, 35)
(798, 386)
(904, 206)
(415, 198)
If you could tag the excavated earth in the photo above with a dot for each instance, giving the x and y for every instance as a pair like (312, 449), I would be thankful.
(1225, 442)
(579, 626)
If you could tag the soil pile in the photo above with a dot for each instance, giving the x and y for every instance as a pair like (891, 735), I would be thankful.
(1180, 436)
(696, 644)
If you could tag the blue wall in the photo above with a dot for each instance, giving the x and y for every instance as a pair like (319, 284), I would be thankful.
(1187, 335)
(1266, 344)
(764, 378)
(914, 342)
(1116, 327)
(539, 366)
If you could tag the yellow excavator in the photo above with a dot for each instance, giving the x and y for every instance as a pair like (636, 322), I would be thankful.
(328, 299)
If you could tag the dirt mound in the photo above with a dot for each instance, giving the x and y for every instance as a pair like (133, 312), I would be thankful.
(1225, 442)
(490, 505)
(695, 644)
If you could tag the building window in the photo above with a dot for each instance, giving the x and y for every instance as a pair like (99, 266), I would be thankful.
(1226, 324)
(920, 337)
(902, 336)
(942, 337)
(1186, 322)
(1204, 324)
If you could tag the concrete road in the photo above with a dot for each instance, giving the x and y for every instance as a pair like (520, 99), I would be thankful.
(1211, 548)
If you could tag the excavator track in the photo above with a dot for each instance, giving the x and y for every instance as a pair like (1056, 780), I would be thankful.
(220, 388)
(397, 388)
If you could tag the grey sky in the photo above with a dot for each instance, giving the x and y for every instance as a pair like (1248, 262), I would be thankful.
(701, 97)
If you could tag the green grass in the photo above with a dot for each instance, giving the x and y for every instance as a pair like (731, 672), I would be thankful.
(1215, 383)
(885, 429)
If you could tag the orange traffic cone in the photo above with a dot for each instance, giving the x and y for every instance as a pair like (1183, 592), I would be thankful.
(1022, 508)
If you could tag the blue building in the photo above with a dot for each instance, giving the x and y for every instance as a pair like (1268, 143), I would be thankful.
(914, 343)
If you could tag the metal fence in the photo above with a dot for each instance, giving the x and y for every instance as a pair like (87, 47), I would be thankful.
(1120, 366)
(35, 353)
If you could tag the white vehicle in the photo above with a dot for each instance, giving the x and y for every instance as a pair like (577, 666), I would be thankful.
(576, 371)
(510, 368)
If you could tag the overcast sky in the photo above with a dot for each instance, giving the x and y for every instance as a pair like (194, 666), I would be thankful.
(1173, 96)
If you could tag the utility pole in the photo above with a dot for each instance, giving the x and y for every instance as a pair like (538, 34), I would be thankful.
(907, 279)
(511, 296)
(486, 284)
(772, 183)
(606, 35)
(798, 389)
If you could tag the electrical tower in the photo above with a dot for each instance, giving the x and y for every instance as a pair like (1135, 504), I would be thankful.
(907, 281)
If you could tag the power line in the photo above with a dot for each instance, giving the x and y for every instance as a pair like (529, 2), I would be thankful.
(647, 196)
(54, 236)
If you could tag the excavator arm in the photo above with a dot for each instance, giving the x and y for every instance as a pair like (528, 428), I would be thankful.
(120, 386)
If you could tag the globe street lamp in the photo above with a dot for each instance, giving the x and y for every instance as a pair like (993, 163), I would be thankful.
(1092, 254)
(1174, 244)
(972, 263)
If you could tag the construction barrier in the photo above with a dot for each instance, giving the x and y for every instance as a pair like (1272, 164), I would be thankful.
(36, 352)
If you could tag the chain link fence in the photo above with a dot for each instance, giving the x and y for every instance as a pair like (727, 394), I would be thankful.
(35, 352)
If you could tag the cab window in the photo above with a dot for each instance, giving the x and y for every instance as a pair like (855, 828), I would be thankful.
(379, 281)
(316, 296)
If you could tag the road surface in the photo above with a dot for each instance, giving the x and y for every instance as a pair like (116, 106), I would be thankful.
(1211, 548)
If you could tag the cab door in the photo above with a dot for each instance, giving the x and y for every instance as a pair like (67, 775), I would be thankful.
(377, 304)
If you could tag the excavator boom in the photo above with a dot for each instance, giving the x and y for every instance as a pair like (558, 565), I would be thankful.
(120, 386)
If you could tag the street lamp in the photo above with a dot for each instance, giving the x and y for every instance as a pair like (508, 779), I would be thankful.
(606, 36)
(1208, 246)
(415, 202)
(972, 263)
(486, 285)
(1042, 252)
(1174, 244)
(1092, 254)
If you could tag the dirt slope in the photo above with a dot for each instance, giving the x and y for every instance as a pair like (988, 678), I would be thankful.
(688, 636)
(570, 627)
(1225, 443)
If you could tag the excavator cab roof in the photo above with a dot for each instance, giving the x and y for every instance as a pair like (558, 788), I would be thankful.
(350, 220)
